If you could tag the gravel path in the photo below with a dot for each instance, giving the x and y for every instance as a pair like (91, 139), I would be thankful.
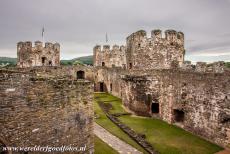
(113, 141)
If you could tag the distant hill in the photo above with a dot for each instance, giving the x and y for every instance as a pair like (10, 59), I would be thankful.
(8, 60)
(85, 60)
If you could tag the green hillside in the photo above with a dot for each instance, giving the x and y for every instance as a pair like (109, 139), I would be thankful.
(84, 60)
(8, 61)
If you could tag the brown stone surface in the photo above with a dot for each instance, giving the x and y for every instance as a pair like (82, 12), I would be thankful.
(194, 97)
(38, 55)
(45, 111)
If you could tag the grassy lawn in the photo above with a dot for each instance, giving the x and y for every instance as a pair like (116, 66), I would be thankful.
(101, 147)
(167, 139)
(107, 124)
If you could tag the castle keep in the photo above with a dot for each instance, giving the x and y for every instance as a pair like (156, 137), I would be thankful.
(154, 80)
(38, 55)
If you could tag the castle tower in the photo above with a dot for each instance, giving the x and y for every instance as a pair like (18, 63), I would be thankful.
(37, 55)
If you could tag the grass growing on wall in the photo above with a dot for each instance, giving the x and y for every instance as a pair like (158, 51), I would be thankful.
(167, 139)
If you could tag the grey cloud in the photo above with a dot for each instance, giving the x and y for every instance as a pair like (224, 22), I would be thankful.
(79, 25)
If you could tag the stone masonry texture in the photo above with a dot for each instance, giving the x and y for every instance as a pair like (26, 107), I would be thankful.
(155, 81)
(37, 109)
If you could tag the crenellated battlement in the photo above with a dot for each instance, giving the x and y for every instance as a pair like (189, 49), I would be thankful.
(109, 56)
(29, 44)
(108, 48)
(38, 55)
(215, 67)
(172, 37)
(157, 51)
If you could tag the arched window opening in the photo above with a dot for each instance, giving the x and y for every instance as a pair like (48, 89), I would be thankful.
(50, 63)
(80, 75)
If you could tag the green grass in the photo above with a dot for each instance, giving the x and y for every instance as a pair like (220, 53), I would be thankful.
(102, 148)
(107, 124)
(167, 139)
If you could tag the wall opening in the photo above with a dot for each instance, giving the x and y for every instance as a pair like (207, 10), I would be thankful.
(155, 107)
(130, 65)
(101, 87)
(111, 87)
(103, 64)
(183, 95)
(80, 75)
(50, 63)
(178, 115)
(43, 60)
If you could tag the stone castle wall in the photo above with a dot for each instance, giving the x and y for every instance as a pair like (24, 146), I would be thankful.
(45, 111)
(155, 52)
(157, 82)
(203, 97)
(29, 56)
(142, 52)
(114, 57)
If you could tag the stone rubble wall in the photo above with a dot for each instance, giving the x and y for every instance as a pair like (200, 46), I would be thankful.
(203, 97)
(38, 55)
(69, 72)
(141, 52)
(45, 111)
(155, 52)
(110, 57)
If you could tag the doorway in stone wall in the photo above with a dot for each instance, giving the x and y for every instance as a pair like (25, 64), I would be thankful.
(178, 115)
(43, 60)
(155, 108)
(101, 86)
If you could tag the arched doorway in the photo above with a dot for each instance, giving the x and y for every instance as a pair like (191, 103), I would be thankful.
(101, 86)
(43, 60)
(80, 75)
(178, 115)
(155, 107)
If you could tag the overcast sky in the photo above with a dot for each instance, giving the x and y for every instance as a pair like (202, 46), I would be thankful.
(80, 24)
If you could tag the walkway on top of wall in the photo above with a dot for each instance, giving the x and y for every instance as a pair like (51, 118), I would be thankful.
(113, 141)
